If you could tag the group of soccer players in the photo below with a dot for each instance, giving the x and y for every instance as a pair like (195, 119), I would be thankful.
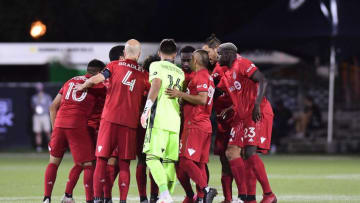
(161, 113)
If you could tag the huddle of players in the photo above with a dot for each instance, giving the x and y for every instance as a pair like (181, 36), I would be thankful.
(238, 98)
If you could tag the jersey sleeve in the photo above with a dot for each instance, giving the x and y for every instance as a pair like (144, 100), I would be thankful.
(202, 83)
(107, 71)
(61, 91)
(248, 68)
(154, 71)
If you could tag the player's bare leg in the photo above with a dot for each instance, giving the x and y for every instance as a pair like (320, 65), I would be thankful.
(112, 170)
(233, 154)
(254, 163)
(50, 177)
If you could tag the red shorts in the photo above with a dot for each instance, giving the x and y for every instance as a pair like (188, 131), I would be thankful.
(249, 133)
(195, 145)
(222, 139)
(93, 132)
(140, 141)
(112, 135)
(77, 139)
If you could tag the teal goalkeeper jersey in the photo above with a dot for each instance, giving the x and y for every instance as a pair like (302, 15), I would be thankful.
(165, 113)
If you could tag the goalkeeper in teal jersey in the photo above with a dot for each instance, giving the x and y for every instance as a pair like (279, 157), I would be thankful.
(161, 116)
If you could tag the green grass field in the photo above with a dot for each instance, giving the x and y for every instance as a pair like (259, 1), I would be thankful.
(309, 178)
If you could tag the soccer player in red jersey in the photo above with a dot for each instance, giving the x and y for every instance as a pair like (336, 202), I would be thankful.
(185, 57)
(196, 137)
(246, 86)
(224, 115)
(141, 178)
(94, 66)
(69, 115)
(120, 117)
(112, 169)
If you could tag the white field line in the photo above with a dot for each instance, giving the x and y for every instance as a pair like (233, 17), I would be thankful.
(219, 198)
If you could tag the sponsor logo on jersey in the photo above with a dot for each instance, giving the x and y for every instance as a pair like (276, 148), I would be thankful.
(205, 86)
(100, 148)
(155, 73)
(250, 68)
(237, 85)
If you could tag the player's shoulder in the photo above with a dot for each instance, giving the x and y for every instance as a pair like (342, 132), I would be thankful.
(78, 78)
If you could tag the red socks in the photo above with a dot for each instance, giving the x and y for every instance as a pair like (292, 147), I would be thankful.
(184, 180)
(226, 182)
(88, 182)
(250, 179)
(260, 173)
(238, 171)
(73, 178)
(141, 179)
(154, 189)
(111, 173)
(194, 172)
(124, 178)
(50, 177)
(99, 176)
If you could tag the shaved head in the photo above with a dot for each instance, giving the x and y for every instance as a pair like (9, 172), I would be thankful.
(228, 47)
(202, 57)
(132, 49)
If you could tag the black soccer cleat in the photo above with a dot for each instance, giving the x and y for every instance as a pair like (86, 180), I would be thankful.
(98, 200)
(108, 200)
(209, 196)
(154, 199)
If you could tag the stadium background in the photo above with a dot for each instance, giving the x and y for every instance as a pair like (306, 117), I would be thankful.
(290, 41)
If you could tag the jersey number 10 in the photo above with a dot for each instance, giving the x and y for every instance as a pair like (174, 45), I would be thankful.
(73, 94)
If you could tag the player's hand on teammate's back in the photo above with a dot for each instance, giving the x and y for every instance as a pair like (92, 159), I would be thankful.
(173, 93)
(80, 87)
(256, 114)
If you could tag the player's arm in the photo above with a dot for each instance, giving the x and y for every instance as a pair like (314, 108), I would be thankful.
(54, 107)
(199, 99)
(258, 77)
(154, 77)
(94, 80)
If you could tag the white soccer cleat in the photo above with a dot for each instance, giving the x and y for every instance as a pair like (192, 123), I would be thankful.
(168, 199)
(67, 200)
(237, 200)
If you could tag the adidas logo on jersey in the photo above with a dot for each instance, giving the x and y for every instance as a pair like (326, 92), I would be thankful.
(191, 151)
(100, 148)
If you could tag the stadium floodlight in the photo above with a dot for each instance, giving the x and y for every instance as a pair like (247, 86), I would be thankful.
(37, 29)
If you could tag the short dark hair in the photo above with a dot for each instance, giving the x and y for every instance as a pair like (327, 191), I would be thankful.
(95, 66)
(149, 60)
(116, 52)
(187, 49)
(212, 41)
(204, 57)
(168, 46)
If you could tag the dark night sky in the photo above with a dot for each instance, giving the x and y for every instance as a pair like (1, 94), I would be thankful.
(119, 20)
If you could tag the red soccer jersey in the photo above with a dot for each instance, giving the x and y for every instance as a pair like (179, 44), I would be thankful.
(76, 106)
(198, 116)
(124, 93)
(95, 117)
(243, 90)
(223, 101)
(188, 77)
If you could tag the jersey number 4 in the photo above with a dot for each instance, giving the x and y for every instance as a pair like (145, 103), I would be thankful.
(126, 81)
(73, 94)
